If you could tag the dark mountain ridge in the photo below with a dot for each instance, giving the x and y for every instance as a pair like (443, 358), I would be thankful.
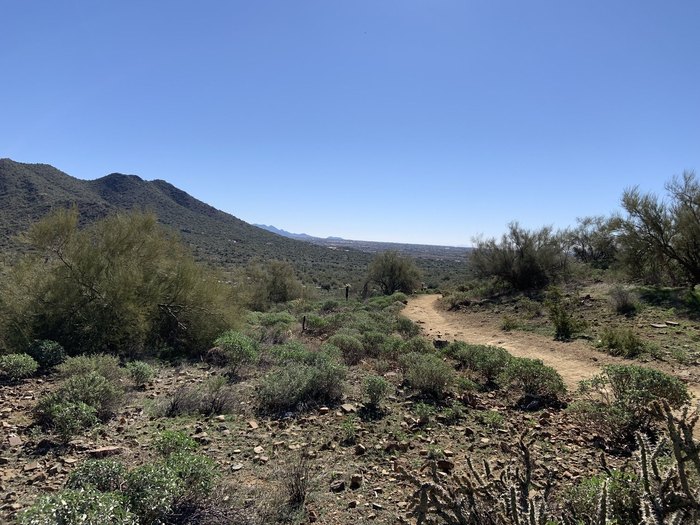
(29, 192)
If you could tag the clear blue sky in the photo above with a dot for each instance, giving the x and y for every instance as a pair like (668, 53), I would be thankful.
(409, 121)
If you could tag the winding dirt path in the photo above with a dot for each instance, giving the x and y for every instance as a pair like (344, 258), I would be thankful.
(575, 360)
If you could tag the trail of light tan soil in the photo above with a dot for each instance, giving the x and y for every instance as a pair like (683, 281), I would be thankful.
(575, 360)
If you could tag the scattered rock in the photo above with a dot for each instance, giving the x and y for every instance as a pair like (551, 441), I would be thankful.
(102, 452)
(672, 323)
(253, 424)
(445, 465)
(236, 467)
(14, 440)
(348, 408)
(338, 485)
(258, 450)
(360, 449)
(658, 325)
(355, 481)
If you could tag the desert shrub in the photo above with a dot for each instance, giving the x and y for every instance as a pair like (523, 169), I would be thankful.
(328, 306)
(67, 418)
(486, 361)
(47, 353)
(622, 300)
(103, 475)
(317, 324)
(406, 327)
(620, 398)
(196, 472)
(172, 442)
(87, 507)
(284, 319)
(152, 491)
(105, 365)
(427, 373)
(18, 366)
(623, 497)
(376, 388)
(393, 273)
(291, 351)
(372, 342)
(141, 373)
(239, 349)
(183, 401)
(89, 284)
(509, 323)
(621, 342)
(217, 397)
(351, 348)
(269, 283)
(383, 302)
(533, 378)
(392, 348)
(271, 327)
(524, 259)
(611, 421)
(94, 390)
(561, 314)
(298, 385)
(417, 344)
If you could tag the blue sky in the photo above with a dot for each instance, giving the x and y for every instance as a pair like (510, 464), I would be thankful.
(409, 121)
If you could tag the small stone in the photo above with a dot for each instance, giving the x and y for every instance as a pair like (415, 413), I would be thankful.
(338, 485)
(69, 460)
(445, 465)
(324, 410)
(38, 477)
(262, 459)
(448, 453)
(253, 424)
(348, 408)
(352, 504)
(658, 325)
(672, 323)
(377, 506)
(258, 450)
(220, 418)
(355, 481)
(236, 467)
(102, 452)
(31, 466)
(14, 441)
(360, 449)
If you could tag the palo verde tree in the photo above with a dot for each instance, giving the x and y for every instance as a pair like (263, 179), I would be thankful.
(660, 239)
(393, 273)
(594, 241)
(120, 285)
(523, 259)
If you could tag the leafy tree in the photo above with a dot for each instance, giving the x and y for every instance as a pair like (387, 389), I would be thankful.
(523, 259)
(270, 283)
(593, 241)
(660, 239)
(394, 273)
(121, 285)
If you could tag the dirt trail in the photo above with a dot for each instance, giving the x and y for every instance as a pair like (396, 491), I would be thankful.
(575, 360)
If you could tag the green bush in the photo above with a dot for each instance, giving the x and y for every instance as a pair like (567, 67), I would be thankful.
(417, 344)
(621, 398)
(47, 353)
(103, 475)
(197, 474)
(298, 385)
(376, 388)
(239, 349)
(317, 324)
(86, 507)
(94, 390)
(623, 301)
(427, 373)
(66, 418)
(621, 342)
(623, 498)
(18, 366)
(406, 327)
(533, 378)
(105, 365)
(561, 314)
(351, 348)
(373, 342)
(217, 397)
(120, 285)
(173, 442)
(141, 373)
(489, 362)
(152, 491)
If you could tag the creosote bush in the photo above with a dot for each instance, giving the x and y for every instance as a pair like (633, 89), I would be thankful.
(104, 475)
(47, 353)
(140, 372)
(376, 388)
(89, 507)
(533, 379)
(351, 347)
(486, 361)
(621, 342)
(619, 400)
(105, 365)
(562, 314)
(427, 373)
(239, 350)
(18, 366)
